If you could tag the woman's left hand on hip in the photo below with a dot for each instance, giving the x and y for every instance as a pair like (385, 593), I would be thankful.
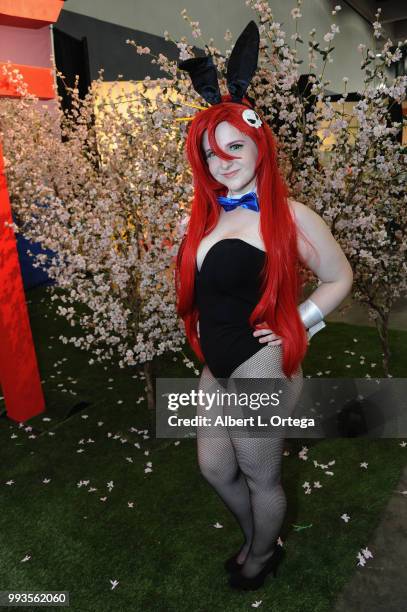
(267, 336)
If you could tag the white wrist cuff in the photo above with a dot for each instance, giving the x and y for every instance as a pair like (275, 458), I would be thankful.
(312, 317)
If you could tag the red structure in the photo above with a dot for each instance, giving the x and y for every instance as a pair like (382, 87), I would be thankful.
(19, 375)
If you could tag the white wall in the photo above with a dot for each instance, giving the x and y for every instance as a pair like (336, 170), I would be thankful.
(215, 16)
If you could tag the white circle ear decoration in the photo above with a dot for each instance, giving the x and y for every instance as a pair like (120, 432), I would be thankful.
(251, 118)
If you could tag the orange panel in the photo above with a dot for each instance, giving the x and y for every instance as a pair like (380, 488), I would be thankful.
(29, 13)
(40, 82)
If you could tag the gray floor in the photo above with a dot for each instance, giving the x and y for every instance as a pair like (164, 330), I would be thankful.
(381, 585)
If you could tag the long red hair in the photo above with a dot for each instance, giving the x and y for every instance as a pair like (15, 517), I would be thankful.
(281, 281)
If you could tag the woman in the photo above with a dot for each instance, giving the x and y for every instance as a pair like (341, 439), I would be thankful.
(238, 289)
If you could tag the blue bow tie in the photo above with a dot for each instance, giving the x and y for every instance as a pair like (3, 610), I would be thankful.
(248, 200)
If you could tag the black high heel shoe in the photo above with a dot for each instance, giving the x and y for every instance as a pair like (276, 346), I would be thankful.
(237, 581)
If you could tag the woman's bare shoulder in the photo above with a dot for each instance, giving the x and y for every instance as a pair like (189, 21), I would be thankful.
(305, 217)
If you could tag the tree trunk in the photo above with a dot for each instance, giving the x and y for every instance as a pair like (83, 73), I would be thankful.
(148, 372)
(382, 326)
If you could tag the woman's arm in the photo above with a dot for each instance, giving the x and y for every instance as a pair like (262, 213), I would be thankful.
(323, 255)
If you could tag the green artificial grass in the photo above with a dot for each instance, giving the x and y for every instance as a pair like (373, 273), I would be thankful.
(154, 532)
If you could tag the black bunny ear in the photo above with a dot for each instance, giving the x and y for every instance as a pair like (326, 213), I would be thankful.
(204, 78)
(243, 62)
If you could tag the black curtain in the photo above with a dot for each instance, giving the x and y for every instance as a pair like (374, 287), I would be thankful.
(71, 58)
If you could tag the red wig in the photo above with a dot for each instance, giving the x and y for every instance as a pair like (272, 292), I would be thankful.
(280, 276)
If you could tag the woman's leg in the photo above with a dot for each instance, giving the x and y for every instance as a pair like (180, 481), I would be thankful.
(218, 464)
(260, 458)
(260, 461)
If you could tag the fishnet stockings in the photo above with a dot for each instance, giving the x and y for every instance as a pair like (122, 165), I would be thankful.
(245, 471)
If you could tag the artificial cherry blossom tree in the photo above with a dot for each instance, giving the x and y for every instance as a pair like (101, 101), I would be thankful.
(105, 192)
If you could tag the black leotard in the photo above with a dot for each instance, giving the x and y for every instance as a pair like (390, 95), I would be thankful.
(227, 288)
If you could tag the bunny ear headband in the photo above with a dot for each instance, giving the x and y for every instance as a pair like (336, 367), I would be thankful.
(242, 65)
